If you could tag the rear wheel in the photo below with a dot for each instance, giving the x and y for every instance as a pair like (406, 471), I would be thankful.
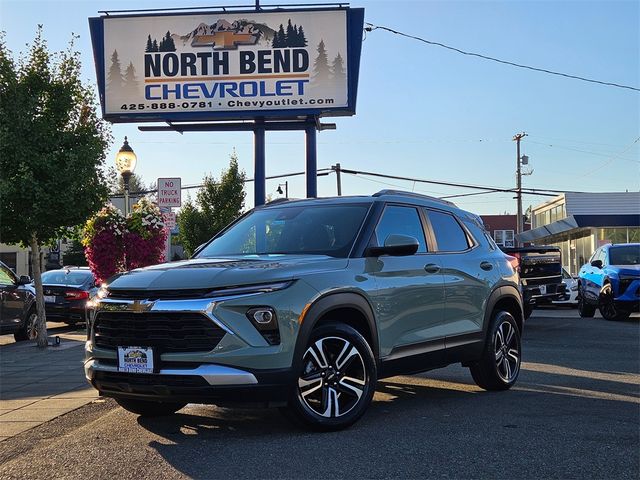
(337, 380)
(147, 408)
(584, 309)
(29, 330)
(608, 308)
(499, 367)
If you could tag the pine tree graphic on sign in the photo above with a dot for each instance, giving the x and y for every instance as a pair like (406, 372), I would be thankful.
(130, 80)
(114, 77)
(321, 70)
(337, 69)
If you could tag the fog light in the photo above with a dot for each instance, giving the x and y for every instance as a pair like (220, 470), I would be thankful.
(263, 316)
(264, 319)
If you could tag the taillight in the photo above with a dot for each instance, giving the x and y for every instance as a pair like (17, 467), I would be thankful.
(76, 295)
(514, 261)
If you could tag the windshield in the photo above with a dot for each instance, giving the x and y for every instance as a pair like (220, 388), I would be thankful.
(312, 229)
(626, 255)
(65, 277)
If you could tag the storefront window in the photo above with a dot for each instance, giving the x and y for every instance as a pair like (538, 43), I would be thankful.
(614, 235)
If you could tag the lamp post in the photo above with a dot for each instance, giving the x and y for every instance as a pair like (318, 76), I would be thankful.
(126, 161)
(286, 189)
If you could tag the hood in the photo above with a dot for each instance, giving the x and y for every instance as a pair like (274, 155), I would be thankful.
(225, 271)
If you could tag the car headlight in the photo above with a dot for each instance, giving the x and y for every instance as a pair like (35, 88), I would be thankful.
(250, 289)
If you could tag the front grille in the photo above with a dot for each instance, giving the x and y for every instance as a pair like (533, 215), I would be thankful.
(150, 384)
(167, 331)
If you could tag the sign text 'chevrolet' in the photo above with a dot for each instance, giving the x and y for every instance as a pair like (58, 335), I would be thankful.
(247, 64)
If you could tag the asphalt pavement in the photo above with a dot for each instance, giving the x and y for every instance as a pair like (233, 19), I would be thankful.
(575, 413)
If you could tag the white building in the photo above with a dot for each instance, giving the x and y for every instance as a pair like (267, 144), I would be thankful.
(579, 223)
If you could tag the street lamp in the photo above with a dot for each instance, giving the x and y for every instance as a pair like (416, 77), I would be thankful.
(126, 163)
(286, 189)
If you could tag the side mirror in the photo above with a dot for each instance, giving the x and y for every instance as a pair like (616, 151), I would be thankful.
(597, 263)
(395, 245)
(24, 280)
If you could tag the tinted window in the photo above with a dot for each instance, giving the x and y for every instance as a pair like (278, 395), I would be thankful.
(66, 277)
(449, 234)
(313, 229)
(400, 221)
(624, 255)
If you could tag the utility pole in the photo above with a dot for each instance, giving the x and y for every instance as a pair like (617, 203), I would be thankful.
(520, 223)
(336, 168)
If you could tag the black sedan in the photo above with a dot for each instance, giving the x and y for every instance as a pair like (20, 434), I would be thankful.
(66, 292)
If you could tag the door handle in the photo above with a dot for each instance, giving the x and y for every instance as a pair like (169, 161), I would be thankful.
(486, 265)
(432, 268)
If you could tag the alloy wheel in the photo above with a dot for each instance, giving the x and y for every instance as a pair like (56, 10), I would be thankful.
(607, 306)
(32, 326)
(507, 352)
(333, 377)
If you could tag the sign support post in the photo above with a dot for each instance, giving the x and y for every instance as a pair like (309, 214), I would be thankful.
(312, 161)
(260, 182)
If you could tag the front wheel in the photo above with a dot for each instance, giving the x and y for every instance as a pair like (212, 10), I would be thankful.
(337, 379)
(147, 408)
(584, 309)
(499, 367)
(29, 330)
(608, 308)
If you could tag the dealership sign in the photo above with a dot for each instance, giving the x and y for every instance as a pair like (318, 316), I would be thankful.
(235, 65)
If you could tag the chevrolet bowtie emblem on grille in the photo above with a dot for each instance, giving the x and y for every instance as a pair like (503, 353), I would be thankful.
(139, 306)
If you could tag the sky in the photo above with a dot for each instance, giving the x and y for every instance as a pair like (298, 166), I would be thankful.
(424, 111)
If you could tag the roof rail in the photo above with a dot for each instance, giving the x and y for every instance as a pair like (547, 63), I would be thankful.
(412, 194)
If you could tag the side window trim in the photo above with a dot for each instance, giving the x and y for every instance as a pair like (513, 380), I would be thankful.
(472, 243)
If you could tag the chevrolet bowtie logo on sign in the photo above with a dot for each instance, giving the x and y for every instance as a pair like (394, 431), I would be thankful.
(224, 35)
(224, 40)
(280, 63)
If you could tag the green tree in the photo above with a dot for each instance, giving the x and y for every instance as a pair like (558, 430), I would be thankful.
(217, 204)
(52, 151)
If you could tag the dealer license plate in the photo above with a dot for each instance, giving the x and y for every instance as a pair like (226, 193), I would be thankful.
(135, 359)
(543, 289)
(50, 298)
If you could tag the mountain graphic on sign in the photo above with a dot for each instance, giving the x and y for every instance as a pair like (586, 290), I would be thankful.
(225, 35)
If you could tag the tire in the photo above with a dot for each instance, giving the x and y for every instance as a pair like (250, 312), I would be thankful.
(584, 309)
(527, 310)
(28, 331)
(499, 367)
(608, 308)
(148, 408)
(323, 397)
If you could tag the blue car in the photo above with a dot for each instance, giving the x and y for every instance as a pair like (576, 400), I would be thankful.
(611, 282)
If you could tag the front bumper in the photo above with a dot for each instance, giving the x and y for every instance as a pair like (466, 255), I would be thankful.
(209, 383)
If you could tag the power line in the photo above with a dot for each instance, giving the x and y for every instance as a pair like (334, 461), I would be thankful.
(372, 27)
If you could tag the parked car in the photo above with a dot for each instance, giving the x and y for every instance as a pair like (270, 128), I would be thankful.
(17, 305)
(540, 270)
(66, 292)
(571, 290)
(306, 304)
(611, 282)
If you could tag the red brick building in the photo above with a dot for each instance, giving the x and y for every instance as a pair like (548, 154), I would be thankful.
(503, 228)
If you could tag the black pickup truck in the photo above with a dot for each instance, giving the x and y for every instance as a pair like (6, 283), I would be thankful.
(540, 270)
